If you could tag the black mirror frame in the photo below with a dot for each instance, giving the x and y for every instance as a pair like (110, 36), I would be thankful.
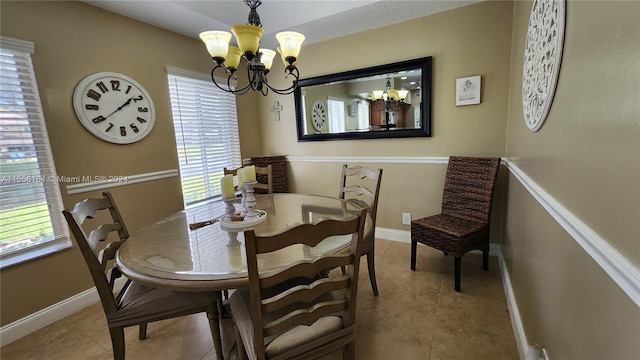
(425, 92)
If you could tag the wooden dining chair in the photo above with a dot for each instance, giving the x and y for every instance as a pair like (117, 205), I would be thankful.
(293, 313)
(135, 304)
(463, 224)
(361, 186)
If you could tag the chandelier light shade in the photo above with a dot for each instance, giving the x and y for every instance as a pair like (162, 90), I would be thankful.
(258, 61)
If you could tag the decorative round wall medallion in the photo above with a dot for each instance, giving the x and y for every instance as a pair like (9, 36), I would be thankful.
(542, 57)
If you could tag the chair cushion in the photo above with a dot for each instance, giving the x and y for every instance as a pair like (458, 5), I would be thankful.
(141, 304)
(240, 303)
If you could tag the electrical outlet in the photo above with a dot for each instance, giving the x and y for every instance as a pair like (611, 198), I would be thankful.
(406, 218)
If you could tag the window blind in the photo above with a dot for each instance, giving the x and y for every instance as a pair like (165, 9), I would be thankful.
(31, 221)
(206, 130)
(336, 114)
(363, 115)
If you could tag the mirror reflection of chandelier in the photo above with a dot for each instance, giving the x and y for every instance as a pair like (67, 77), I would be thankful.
(258, 60)
(389, 94)
(388, 101)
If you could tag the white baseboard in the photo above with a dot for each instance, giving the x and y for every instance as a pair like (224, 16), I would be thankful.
(36, 321)
(514, 313)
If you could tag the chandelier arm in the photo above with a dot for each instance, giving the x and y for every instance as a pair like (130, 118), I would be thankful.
(229, 89)
(291, 88)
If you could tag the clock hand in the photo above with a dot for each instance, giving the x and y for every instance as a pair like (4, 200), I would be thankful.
(120, 108)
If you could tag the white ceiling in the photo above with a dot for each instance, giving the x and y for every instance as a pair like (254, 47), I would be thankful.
(318, 20)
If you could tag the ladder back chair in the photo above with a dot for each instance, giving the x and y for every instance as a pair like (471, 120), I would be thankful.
(135, 304)
(293, 313)
(368, 187)
(264, 176)
(463, 224)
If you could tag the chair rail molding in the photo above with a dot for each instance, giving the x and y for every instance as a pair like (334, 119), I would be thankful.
(625, 274)
(91, 183)
(620, 269)
(373, 159)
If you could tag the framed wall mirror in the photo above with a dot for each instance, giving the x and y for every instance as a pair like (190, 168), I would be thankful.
(386, 101)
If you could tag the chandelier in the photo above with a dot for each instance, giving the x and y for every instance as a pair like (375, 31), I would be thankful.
(392, 100)
(389, 97)
(258, 61)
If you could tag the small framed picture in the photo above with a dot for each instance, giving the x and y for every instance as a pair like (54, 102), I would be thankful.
(468, 90)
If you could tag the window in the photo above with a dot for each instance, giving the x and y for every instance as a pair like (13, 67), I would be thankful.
(363, 115)
(304, 114)
(206, 129)
(31, 221)
(336, 116)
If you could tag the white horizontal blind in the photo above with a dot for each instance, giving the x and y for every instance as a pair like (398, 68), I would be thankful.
(30, 202)
(335, 112)
(206, 130)
(363, 115)
(304, 114)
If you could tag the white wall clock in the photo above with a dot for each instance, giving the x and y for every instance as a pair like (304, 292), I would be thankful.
(114, 107)
(318, 115)
(542, 57)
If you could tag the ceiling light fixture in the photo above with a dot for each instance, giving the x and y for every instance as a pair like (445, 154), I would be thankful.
(389, 96)
(392, 101)
(258, 60)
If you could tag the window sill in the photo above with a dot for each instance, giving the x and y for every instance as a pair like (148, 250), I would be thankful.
(35, 252)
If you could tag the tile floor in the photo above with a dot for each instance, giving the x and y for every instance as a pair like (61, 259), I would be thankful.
(417, 315)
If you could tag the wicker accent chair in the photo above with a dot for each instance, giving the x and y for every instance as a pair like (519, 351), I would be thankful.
(293, 313)
(264, 176)
(135, 304)
(360, 191)
(463, 224)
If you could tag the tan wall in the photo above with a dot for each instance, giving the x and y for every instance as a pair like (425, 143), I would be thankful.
(587, 157)
(473, 40)
(73, 40)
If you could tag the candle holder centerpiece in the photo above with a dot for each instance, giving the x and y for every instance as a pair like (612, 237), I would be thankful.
(250, 201)
(247, 216)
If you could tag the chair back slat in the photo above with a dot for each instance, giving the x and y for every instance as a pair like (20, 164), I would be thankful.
(307, 269)
(469, 187)
(305, 234)
(305, 293)
(297, 295)
(304, 316)
(264, 176)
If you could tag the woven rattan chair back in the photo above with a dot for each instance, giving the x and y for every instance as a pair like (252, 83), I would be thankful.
(469, 187)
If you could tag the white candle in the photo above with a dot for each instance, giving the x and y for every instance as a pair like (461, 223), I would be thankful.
(249, 174)
(240, 184)
(226, 183)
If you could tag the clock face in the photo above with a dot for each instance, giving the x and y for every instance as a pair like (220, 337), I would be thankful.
(318, 115)
(114, 107)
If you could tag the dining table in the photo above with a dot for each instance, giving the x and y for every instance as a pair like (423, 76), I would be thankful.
(198, 249)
